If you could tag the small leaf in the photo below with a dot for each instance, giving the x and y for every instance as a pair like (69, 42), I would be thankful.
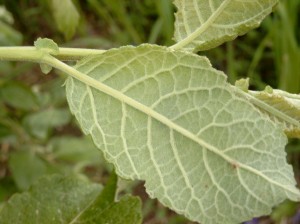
(9, 36)
(26, 168)
(45, 68)
(106, 210)
(39, 124)
(242, 84)
(51, 200)
(284, 210)
(205, 24)
(46, 45)
(19, 96)
(70, 200)
(66, 16)
(74, 149)
(169, 118)
(6, 15)
(282, 107)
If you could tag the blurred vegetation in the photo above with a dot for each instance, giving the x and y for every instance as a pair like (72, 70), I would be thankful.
(39, 136)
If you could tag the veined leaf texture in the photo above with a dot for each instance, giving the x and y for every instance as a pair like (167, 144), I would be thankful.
(74, 201)
(283, 108)
(201, 25)
(172, 120)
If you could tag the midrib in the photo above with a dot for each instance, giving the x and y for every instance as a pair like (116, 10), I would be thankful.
(202, 28)
(150, 112)
(164, 120)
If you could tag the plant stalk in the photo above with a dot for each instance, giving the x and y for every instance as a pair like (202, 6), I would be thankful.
(32, 54)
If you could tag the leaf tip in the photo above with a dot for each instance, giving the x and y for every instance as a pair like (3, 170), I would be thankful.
(242, 84)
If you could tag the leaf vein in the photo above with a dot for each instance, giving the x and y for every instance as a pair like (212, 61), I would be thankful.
(125, 147)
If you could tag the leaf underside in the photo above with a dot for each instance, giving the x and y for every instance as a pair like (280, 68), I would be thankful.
(202, 150)
(213, 22)
(287, 105)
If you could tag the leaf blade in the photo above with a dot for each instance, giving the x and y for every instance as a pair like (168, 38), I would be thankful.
(66, 17)
(201, 25)
(43, 205)
(284, 103)
(19, 96)
(158, 119)
(105, 210)
(70, 200)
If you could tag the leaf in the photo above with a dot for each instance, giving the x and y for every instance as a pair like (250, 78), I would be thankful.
(68, 200)
(243, 84)
(55, 199)
(19, 96)
(45, 68)
(8, 36)
(284, 210)
(105, 210)
(282, 107)
(170, 119)
(205, 24)
(5, 15)
(26, 168)
(66, 17)
(74, 149)
(48, 46)
(39, 124)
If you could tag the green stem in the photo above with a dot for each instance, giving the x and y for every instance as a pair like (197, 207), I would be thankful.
(20, 54)
(32, 54)
(71, 54)
(37, 56)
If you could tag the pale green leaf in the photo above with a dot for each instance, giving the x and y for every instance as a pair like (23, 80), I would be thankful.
(46, 45)
(205, 24)
(172, 120)
(242, 84)
(75, 149)
(66, 16)
(5, 15)
(282, 107)
(45, 68)
(9, 36)
(70, 200)
(40, 124)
